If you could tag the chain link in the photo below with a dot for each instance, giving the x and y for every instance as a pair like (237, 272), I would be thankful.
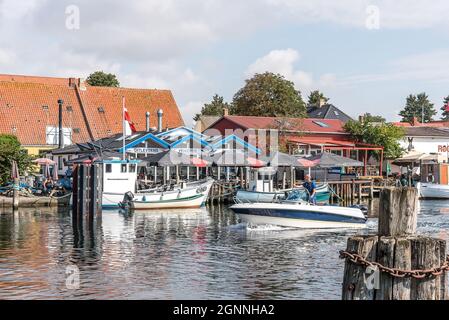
(396, 273)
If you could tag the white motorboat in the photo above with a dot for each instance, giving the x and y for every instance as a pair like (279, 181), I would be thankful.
(433, 191)
(300, 215)
(193, 197)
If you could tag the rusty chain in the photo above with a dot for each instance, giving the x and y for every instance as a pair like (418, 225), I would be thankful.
(394, 272)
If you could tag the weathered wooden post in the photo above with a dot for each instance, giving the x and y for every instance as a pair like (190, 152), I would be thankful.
(395, 264)
(15, 194)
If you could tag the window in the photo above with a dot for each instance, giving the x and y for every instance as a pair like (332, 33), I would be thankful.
(321, 124)
(60, 160)
(336, 113)
(101, 109)
(108, 168)
(76, 130)
(123, 168)
(69, 108)
(132, 168)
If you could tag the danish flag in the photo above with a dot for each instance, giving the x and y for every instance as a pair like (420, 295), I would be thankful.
(130, 128)
(446, 107)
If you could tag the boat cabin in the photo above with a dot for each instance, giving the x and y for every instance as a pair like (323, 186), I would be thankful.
(119, 176)
(262, 179)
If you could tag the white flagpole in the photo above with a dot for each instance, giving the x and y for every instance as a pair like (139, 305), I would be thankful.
(124, 129)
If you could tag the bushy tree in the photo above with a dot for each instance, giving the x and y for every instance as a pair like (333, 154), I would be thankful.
(315, 97)
(384, 134)
(214, 108)
(445, 110)
(270, 95)
(10, 150)
(415, 106)
(102, 79)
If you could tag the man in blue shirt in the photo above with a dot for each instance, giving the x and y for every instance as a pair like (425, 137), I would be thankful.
(310, 186)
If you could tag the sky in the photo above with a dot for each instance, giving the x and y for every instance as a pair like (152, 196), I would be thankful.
(366, 56)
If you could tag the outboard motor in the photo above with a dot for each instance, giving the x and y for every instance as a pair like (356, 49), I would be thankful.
(127, 198)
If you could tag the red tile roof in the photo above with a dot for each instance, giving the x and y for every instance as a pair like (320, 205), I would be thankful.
(304, 125)
(22, 99)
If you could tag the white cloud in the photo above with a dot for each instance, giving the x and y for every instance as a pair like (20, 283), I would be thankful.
(284, 63)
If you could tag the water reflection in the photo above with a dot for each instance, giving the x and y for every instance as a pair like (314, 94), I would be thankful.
(195, 254)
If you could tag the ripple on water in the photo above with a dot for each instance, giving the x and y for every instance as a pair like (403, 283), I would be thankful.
(176, 255)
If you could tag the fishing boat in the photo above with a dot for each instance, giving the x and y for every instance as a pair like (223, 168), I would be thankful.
(190, 197)
(433, 191)
(120, 177)
(298, 214)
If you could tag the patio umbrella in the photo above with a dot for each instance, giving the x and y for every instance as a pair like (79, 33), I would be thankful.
(174, 158)
(200, 163)
(330, 160)
(47, 173)
(235, 158)
(304, 163)
(280, 159)
(44, 161)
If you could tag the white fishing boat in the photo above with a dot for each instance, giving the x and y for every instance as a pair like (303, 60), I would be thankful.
(120, 178)
(433, 191)
(192, 197)
(300, 215)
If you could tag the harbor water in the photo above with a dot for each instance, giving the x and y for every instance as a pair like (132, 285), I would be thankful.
(196, 254)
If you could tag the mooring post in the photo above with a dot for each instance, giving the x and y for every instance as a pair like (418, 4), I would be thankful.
(16, 195)
(395, 264)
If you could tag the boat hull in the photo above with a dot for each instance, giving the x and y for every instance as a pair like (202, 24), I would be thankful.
(433, 191)
(183, 203)
(112, 200)
(300, 216)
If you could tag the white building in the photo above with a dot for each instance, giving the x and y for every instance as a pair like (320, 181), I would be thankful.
(430, 140)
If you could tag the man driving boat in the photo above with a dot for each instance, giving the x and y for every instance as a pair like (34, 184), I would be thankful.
(310, 186)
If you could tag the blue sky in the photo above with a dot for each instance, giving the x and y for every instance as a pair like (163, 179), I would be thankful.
(199, 48)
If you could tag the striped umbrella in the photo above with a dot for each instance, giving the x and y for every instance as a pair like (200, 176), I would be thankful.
(44, 161)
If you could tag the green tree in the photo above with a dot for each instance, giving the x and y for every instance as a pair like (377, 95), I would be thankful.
(214, 108)
(368, 117)
(415, 106)
(315, 98)
(270, 95)
(384, 134)
(444, 109)
(10, 150)
(102, 79)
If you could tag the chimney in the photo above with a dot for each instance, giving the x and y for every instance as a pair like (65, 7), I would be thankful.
(60, 132)
(225, 112)
(415, 122)
(82, 84)
(361, 119)
(147, 116)
(160, 114)
(322, 102)
(72, 82)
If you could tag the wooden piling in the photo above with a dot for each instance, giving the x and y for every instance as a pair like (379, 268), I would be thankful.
(406, 266)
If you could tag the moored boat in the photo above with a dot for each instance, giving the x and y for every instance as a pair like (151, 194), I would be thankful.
(193, 197)
(300, 215)
(433, 191)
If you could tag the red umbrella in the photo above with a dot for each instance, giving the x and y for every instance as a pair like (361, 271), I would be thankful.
(256, 163)
(200, 163)
(306, 163)
(47, 173)
(44, 162)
